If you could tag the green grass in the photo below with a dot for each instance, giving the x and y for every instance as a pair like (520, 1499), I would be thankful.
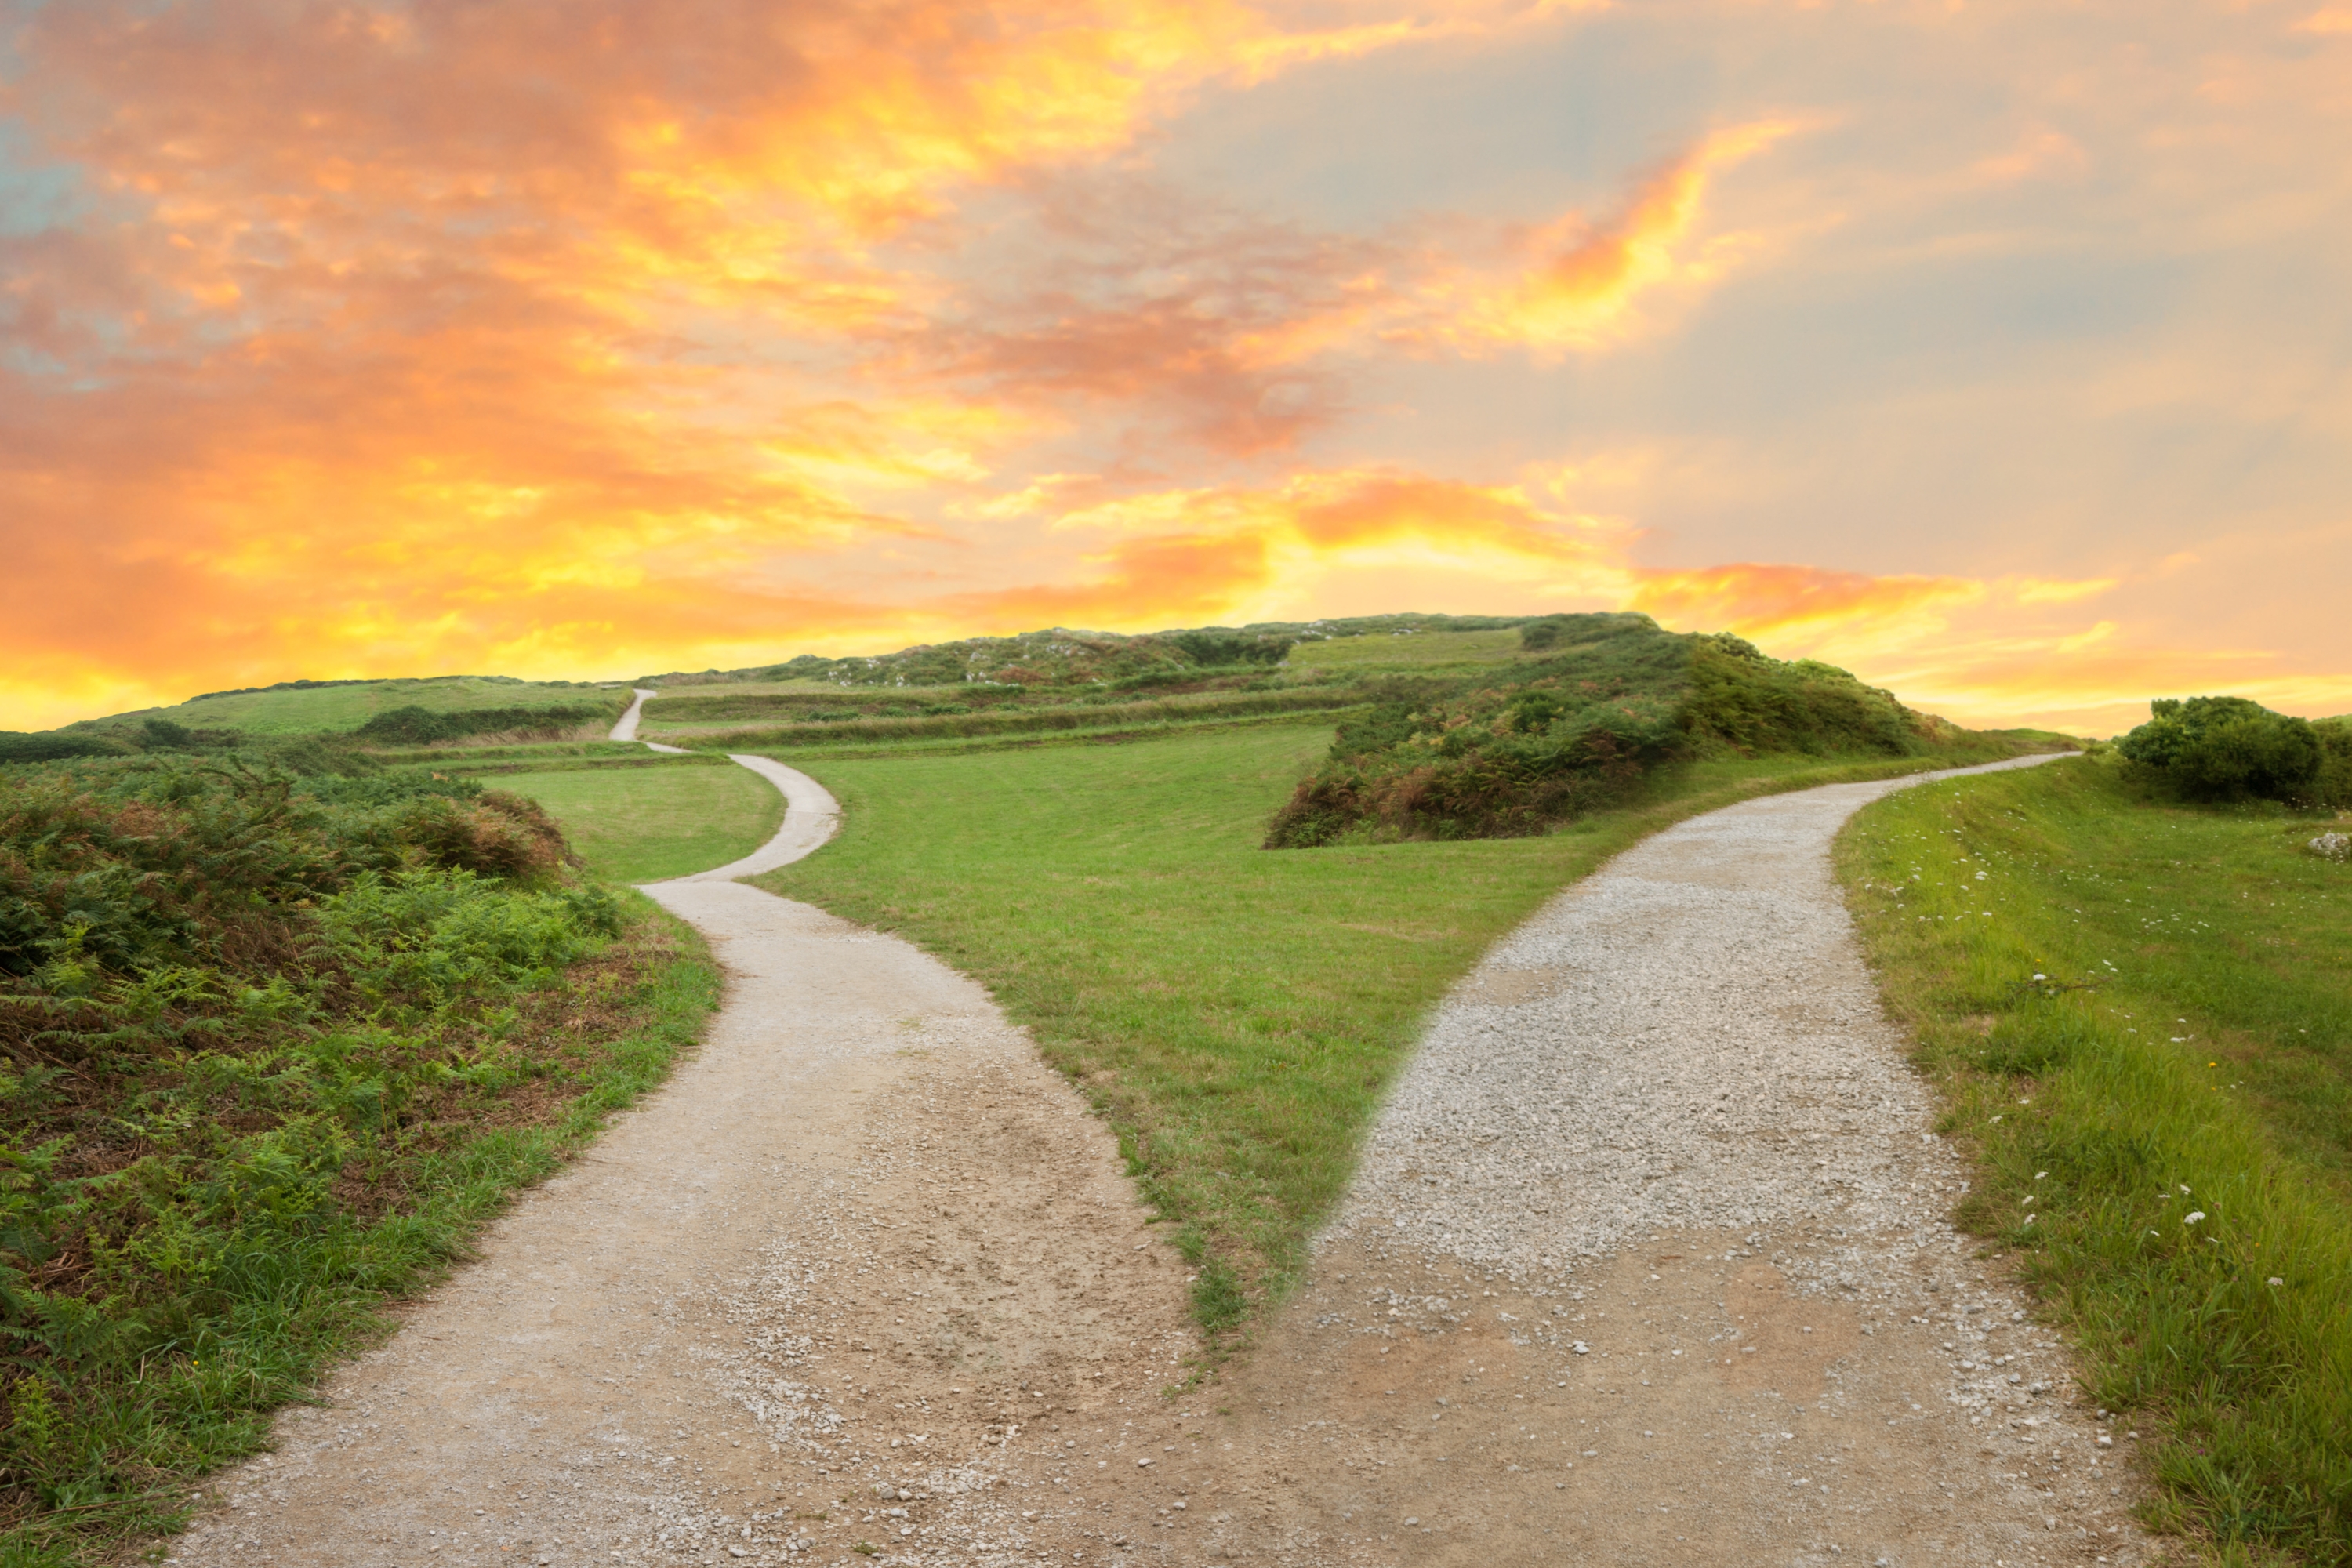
(1420, 650)
(641, 824)
(802, 688)
(522, 755)
(226, 1271)
(1079, 716)
(2190, 1052)
(344, 707)
(1237, 1013)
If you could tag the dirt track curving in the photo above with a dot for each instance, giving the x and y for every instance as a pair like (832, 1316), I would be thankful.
(867, 1274)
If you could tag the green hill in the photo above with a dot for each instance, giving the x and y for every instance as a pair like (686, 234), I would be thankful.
(1588, 706)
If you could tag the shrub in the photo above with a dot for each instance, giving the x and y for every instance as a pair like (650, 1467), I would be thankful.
(55, 746)
(415, 726)
(1517, 753)
(2227, 748)
(2333, 785)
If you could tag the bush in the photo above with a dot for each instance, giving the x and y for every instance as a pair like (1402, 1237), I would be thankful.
(415, 726)
(2227, 748)
(55, 746)
(1517, 753)
(2333, 785)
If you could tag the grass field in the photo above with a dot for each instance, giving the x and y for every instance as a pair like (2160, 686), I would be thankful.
(1420, 650)
(1188, 708)
(2165, 1117)
(344, 707)
(1236, 1013)
(796, 688)
(641, 824)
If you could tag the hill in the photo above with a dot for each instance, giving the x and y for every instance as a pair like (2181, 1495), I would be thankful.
(1593, 703)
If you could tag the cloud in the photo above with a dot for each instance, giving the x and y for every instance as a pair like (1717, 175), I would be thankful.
(1587, 284)
(396, 335)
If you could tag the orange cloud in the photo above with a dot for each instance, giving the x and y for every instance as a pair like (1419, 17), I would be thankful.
(583, 338)
(1590, 281)
(1786, 601)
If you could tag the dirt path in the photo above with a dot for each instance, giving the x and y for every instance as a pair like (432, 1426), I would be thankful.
(1645, 1266)
(863, 1236)
(625, 727)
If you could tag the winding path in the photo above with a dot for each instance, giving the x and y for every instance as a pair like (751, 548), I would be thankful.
(1646, 1264)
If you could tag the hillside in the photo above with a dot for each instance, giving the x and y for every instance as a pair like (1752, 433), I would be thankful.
(1446, 725)
(1593, 705)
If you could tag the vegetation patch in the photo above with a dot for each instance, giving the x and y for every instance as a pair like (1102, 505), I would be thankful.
(417, 726)
(2141, 1011)
(273, 1050)
(1061, 657)
(1237, 1017)
(2228, 748)
(1611, 699)
(946, 721)
(339, 707)
(643, 824)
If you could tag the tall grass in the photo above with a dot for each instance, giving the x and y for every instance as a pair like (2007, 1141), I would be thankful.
(2143, 1015)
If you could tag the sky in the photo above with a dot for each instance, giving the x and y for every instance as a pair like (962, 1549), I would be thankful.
(2000, 352)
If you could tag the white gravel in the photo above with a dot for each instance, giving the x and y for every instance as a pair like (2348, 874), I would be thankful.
(1687, 1040)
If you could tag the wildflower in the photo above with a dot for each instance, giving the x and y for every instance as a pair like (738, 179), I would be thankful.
(2194, 1216)
(2276, 1280)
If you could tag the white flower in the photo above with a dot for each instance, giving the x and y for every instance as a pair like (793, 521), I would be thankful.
(2194, 1217)
(2276, 1280)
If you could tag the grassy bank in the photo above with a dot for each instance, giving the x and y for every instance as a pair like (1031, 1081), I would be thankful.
(1236, 1014)
(271, 1058)
(1028, 721)
(641, 824)
(2142, 1015)
(345, 706)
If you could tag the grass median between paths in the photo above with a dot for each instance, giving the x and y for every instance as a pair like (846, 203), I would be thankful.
(1236, 1014)
(641, 824)
(2142, 1015)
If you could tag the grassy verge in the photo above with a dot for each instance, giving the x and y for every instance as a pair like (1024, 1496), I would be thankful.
(641, 824)
(1020, 721)
(1236, 1014)
(281, 1195)
(2142, 1015)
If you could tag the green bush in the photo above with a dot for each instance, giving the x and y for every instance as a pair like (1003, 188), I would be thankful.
(1543, 742)
(53, 746)
(2333, 785)
(415, 726)
(2227, 748)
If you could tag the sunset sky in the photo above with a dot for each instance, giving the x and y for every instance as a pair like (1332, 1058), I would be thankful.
(2000, 351)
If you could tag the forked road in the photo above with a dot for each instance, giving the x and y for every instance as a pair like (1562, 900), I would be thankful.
(1646, 1264)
